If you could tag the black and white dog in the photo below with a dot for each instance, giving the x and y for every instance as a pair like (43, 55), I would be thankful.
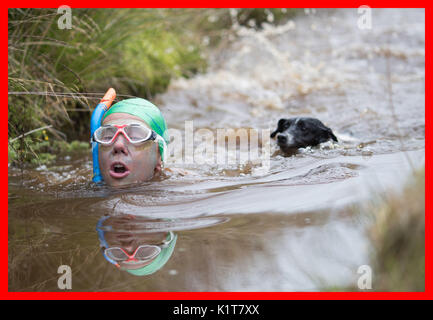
(301, 132)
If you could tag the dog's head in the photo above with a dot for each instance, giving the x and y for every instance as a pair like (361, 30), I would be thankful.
(301, 132)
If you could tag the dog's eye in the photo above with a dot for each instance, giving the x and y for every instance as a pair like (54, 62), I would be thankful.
(301, 126)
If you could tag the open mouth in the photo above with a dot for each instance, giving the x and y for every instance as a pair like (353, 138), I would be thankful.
(118, 170)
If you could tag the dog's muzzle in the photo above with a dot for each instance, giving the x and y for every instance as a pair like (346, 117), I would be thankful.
(284, 139)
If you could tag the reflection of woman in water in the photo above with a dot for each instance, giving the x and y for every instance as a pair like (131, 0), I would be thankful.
(130, 247)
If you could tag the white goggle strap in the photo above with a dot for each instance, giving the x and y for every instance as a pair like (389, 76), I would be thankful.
(164, 147)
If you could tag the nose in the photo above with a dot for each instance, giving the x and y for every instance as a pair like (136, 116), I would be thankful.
(282, 138)
(129, 249)
(119, 146)
(128, 244)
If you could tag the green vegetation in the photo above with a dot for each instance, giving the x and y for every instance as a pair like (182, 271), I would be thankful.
(136, 51)
(39, 149)
(397, 236)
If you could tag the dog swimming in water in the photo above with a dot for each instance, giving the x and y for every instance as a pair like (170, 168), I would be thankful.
(301, 132)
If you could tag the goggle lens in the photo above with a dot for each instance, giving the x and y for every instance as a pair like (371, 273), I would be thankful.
(116, 254)
(147, 252)
(137, 133)
(105, 134)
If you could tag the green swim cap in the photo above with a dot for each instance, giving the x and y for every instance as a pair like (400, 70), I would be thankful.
(146, 111)
(158, 263)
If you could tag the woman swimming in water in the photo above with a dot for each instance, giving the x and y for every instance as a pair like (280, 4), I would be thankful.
(128, 141)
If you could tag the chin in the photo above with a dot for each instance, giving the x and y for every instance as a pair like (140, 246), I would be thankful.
(288, 149)
(123, 183)
(119, 185)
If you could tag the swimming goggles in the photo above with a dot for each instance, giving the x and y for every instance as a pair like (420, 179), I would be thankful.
(135, 133)
(142, 253)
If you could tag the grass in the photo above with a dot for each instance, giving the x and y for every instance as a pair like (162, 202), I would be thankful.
(130, 50)
(136, 51)
(40, 150)
(397, 237)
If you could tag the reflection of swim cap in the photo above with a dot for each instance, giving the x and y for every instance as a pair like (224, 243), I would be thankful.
(148, 112)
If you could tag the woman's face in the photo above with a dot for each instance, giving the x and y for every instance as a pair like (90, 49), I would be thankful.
(123, 163)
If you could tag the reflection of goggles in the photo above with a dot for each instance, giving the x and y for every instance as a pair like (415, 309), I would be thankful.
(159, 261)
(135, 133)
(142, 253)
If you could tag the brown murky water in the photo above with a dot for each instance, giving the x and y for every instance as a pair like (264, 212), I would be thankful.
(290, 227)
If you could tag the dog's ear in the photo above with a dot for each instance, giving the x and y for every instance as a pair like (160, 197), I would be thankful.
(280, 125)
(331, 135)
(329, 132)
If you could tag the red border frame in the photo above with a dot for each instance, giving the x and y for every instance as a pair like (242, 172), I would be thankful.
(428, 294)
